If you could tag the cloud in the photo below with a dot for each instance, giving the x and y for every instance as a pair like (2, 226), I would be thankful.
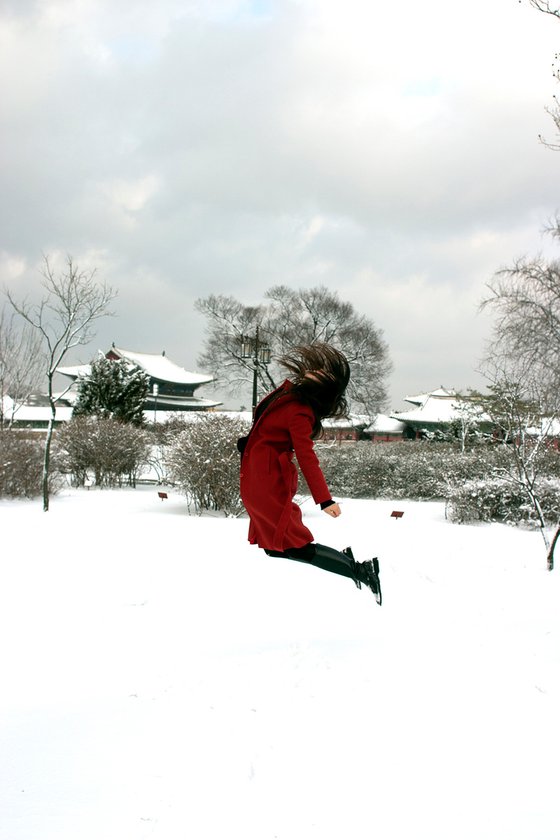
(386, 150)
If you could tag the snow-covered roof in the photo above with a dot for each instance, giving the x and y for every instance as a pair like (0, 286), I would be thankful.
(438, 408)
(75, 371)
(354, 421)
(32, 413)
(384, 425)
(41, 414)
(439, 393)
(158, 366)
(549, 428)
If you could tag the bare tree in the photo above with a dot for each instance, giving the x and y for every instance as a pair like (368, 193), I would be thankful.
(63, 319)
(21, 365)
(290, 317)
(526, 301)
(554, 11)
(525, 408)
(228, 321)
(522, 364)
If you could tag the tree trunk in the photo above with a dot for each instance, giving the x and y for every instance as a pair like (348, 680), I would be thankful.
(48, 440)
(47, 459)
(550, 555)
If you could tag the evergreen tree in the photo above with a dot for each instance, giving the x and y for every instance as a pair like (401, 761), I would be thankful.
(113, 389)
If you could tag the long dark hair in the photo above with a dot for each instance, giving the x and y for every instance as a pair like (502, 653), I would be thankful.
(320, 376)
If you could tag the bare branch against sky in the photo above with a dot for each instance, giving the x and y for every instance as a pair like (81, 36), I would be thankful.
(546, 7)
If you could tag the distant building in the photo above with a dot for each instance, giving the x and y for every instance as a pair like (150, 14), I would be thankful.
(439, 411)
(171, 387)
(34, 415)
(344, 428)
(385, 429)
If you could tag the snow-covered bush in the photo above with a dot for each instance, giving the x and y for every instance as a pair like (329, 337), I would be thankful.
(408, 470)
(162, 436)
(204, 461)
(500, 500)
(113, 452)
(21, 465)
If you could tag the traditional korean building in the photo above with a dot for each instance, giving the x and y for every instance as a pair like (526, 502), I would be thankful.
(385, 429)
(344, 428)
(439, 411)
(34, 415)
(171, 388)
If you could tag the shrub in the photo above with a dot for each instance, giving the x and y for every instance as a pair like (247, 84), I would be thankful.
(408, 470)
(499, 500)
(21, 465)
(204, 461)
(162, 437)
(112, 451)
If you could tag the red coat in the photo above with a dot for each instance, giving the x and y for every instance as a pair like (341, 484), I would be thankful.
(269, 477)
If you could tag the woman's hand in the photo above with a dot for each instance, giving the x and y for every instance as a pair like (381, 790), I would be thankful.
(333, 510)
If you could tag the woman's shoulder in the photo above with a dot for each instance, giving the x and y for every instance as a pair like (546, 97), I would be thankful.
(291, 405)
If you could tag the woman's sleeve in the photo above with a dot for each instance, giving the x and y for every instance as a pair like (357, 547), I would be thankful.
(301, 427)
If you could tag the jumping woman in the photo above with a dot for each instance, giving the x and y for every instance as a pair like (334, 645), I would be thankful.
(286, 423)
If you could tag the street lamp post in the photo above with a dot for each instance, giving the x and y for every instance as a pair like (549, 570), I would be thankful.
(259, 351)
(155, 393)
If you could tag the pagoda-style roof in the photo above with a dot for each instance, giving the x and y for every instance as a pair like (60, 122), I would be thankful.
(75, 371)
(159, 367)
(439, 393)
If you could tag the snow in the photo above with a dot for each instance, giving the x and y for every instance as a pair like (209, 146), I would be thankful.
(163, 679)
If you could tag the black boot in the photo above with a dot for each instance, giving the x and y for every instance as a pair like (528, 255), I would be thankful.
(358, 576)
(368, 574)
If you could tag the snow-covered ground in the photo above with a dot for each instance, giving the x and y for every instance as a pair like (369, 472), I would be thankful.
(163, 679)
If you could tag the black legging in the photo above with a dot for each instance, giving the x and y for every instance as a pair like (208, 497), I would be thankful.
(323, 556)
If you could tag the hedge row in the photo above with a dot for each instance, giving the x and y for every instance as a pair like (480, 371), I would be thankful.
(499, 500)
(408, 470)
(201, 458)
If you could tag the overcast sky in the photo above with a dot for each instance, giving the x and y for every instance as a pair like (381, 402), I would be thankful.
(388, 150)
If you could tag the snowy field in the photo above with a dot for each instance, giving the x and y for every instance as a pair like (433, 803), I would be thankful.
(162, 679)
